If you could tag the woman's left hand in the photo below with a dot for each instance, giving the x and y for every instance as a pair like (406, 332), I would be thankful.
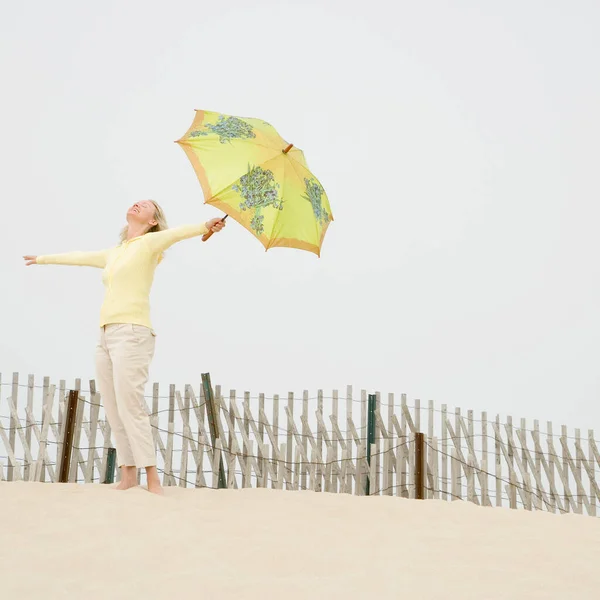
(215, 225)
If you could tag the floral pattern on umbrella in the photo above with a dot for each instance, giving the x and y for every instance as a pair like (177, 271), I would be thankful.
(259, 190)
(227, 128)
(314, 193)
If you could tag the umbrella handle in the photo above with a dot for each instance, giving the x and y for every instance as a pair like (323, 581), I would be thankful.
(206, 236)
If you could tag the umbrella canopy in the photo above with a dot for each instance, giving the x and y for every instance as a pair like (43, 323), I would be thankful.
(247, 170)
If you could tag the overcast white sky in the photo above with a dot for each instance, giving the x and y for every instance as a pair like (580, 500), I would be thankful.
(458, 144)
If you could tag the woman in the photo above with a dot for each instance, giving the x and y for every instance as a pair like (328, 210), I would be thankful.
(126, 344)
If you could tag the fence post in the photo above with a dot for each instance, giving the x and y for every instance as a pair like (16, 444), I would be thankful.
(370, 438)
(212, 414)
(109, 476)
(69, 431)
(419, 471)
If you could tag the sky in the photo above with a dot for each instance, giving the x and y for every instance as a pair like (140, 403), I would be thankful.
(458, 145)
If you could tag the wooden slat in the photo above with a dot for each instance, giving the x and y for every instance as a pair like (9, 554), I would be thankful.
(91, 433)
(391, 462)
(458, 445)
(577, 463)
(275, 440)
(262, 475)
(509, 430)
(335, 467)
(430, 419)
(403, 431)
(14, 424)
(231, 433)
(216, 464)
(434, 463)
(377, 454)
(551, 461)
(528, 505)
(565, 466)
(485, 498)
(288, 444)
(374, 489)
(247, 481)
(471, 497)
(386, 483)
(28, 471)
(62, 400)
(168, 477)
(411, 466)
(155, 424)
(523, 428)
(319, 473)
(296, 474)
(186, 438)
(498, 462)
(248, 469)
(45, 390)
(592, 476)
(455, 490)
(304, 442)
(511, 489)
(349, 444)
(444, 457)
(538, 462)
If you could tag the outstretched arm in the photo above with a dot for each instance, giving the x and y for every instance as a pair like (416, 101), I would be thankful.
(77, 259)
(159, 241)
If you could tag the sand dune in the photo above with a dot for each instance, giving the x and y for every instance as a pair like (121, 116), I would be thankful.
(93, 542)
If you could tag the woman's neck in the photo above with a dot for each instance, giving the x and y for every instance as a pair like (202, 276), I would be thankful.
(135, 230)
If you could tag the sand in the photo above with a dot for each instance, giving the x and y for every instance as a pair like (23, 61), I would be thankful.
(92, 542)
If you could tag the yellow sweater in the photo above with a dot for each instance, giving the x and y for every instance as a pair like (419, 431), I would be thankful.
(128, 272)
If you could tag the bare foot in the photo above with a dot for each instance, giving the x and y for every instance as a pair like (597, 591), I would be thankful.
(128, 478)
(126, 484)
(156, 488)
(154, 481)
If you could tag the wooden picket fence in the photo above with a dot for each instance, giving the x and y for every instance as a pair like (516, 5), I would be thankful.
(356, 444)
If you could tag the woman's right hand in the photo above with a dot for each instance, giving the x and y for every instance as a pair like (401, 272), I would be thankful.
(30, 260)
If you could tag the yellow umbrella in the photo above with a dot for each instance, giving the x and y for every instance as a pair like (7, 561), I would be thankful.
(248, 171)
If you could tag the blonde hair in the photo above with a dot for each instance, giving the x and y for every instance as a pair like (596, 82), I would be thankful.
(159, 217)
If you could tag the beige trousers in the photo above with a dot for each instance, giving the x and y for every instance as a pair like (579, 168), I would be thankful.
(123, 357)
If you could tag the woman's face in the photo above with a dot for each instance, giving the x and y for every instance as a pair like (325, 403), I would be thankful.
(142, 213)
